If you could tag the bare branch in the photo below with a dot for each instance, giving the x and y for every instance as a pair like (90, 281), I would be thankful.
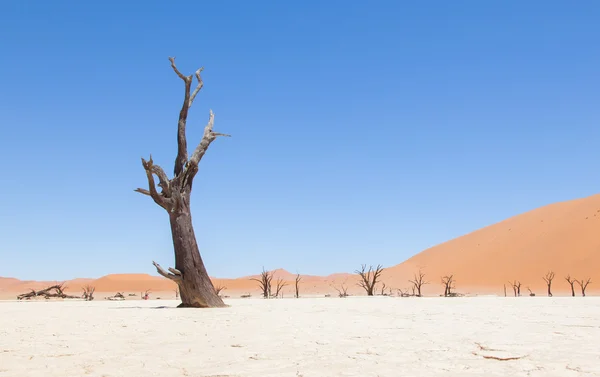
(152, 169)
(166, 274)
(182, 154)
(198, 87)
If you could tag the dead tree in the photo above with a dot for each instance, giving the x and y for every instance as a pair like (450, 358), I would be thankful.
(264, 282)
(368, 278)
(548, 279)
(448, 283)
(383, 289)
(195, 287)
(54, 291)
(342, 290)
(278, 287)
(504, 290)
(571, 283)
(88, 292)
(219, 288)
(418, 282)
(516, 285)
(530, 292)
(297, 284)
(583, 285)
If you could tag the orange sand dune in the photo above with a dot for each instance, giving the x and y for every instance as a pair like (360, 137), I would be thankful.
(562, 237)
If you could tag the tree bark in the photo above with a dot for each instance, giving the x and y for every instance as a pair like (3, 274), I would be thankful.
(195, 287)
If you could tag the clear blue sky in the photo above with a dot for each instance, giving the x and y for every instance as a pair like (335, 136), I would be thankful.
(361, 133)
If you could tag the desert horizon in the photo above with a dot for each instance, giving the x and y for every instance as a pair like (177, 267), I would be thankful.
(522, 248)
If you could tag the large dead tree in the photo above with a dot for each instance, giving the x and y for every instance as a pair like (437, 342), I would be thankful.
(297, 286)
(195, 286)
(264, 282)
(548, 279)
(571, 283)
(583, 284)
(368, 278)
(448, 283)
(418, 282)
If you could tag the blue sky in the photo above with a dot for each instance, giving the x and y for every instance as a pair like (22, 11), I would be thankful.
(361, 133)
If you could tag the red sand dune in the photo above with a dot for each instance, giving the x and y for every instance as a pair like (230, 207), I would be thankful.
(562, 237)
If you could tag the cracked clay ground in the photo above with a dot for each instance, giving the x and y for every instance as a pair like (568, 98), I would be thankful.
(316, 337)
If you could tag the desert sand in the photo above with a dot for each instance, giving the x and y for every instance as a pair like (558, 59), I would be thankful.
(358, 336)
(562, 237)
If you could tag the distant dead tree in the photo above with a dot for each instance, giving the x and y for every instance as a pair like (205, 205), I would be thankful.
(383, 286)
(177, 293)
(88, 292)
(530, 292)
(220, 288)
(368, 278)
(583, 285)
(548, 279)
(54, 291)
(264, 282)
(297, 284)
(342, 290)
(278, 287)
(571, 283)
(418, 282)
(504, 290)
(516, 285)
(448, 283)
(195, 287)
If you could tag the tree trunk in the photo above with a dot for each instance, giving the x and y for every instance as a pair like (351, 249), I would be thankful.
(195, 287)
(572, 291)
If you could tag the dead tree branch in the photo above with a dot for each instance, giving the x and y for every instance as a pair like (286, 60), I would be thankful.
(418, 282)
(54, 291)
(516, 285)
(342, 290)
(297, 283)
(548, 279)
(88, 292)
(583, 284)
(368, 278)
(571, 283)
(278, 287)
(264, 282)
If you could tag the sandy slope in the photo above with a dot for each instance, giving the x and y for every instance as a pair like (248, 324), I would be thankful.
(563, 237)
(307, 337)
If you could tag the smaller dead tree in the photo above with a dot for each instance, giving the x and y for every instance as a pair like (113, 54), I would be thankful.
(504, 290)
(571, 283)
(297, 284)
(583, 285)
(88, 292)
(548, 279)
(368, 278)
(219, 288)
(264, 282)
(342, 290)
(516, 285)
(177, 293)
(530, 292)
(418, 282)
(448, 283)
(383, 289)
(54, 291)
(278, 287)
